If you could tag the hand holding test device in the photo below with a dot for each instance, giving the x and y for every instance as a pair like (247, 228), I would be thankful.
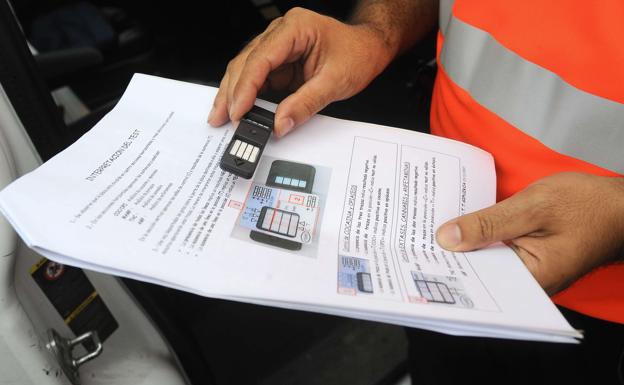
(242, 155)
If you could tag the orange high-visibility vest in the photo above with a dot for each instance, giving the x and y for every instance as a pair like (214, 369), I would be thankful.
(540, 85)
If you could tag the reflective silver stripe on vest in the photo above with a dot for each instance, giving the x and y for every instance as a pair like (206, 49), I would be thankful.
(446, 6)
(533, 99)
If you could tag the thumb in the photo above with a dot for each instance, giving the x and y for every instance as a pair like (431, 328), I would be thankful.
(300, 106)
(508, 219)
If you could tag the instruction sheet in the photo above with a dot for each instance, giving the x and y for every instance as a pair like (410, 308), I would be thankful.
(340, 217)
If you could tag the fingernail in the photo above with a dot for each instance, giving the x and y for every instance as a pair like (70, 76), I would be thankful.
(286, 125)
(449, 236)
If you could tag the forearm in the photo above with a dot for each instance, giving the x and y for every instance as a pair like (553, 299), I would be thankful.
(400, 23)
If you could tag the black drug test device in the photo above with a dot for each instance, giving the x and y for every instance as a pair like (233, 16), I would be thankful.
(242, 155)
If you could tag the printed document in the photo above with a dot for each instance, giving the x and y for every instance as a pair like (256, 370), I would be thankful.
(339, 217)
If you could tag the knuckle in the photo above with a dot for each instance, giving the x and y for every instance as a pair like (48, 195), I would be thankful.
(255, 41)
(308, 105)
(232, 65)
(257, 59)
(301, 16)
(255, 54)
(274, 23)
(295, 12)
(486, 227)
(261, 39)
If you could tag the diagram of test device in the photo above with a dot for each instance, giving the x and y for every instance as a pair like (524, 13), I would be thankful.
(281, 209)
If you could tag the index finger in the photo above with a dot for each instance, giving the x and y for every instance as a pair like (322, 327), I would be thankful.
(219, 113)
(278, 47)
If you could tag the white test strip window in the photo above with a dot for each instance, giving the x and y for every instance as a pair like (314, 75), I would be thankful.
(244, 151)
(293, 182)
(278, 221)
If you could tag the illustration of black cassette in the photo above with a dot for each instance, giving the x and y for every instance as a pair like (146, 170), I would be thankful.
(441, 290)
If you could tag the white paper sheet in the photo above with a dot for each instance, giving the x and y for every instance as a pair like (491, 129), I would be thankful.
(141, 195)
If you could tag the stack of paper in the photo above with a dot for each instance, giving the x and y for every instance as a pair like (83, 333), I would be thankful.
(340, 218)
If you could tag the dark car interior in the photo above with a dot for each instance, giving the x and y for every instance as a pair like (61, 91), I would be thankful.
(94, 47)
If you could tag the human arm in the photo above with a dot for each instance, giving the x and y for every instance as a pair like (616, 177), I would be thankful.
(319, 59)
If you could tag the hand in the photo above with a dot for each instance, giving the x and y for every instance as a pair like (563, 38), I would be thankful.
(561, 226)
(319, 58)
